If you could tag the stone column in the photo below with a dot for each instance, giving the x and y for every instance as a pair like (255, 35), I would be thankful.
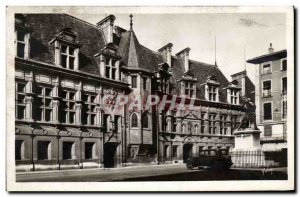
(29, 98)
(55, 101)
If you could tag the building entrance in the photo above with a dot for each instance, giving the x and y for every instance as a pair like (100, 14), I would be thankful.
(110, 156)
(187, 152)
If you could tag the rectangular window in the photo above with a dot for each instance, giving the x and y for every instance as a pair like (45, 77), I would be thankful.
(212, 123)
(67, 57)
(134, 81)
(175, 151)
(44, 150)
(44, 103)
(166, 151)
(234, 123)
(19, 150)
(20, 100)
(284, 86)
(234, 96)
(266, 69)
(223, 119)
(189, 89)
(267, 111)
(283, 65)
(284, 109)
(267, 130)
(90, 150)
(145, 83)
(68, 150)
(202, 122)
(68, 107)
(89, 109)
(267, 87)
(21, 43)
(212, 93)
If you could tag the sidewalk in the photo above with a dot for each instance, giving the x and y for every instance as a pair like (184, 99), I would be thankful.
(104, 169)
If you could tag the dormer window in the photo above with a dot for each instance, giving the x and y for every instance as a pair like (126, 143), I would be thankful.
(66, 49)
(110, 68)
(212, 93)
(22, 37)
(233, 93)
(67, 57)
(212, 89)
(189, 89)
(234, 97)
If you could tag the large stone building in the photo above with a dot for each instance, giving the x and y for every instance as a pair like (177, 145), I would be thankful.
(65, 67)
(271, 104)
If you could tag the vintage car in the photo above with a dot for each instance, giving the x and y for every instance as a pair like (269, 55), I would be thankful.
(213, 159)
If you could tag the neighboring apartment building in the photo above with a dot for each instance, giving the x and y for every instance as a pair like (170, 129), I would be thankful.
(65, 67)
(271, 103)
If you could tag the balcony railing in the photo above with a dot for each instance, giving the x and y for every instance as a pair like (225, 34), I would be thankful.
(267, 93)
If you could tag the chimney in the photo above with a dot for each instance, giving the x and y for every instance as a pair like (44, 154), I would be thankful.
(166, 52)
(240, 77)
(185, 54)
(106, 25)
(271, 49)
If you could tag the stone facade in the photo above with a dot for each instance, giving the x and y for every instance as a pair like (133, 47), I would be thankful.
(66, 67)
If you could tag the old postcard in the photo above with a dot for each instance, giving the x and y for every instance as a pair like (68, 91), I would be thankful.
(150, 99)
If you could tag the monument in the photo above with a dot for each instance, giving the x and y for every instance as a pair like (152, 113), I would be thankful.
(247, 151)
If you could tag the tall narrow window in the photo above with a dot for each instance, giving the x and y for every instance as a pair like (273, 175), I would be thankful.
(202, 122)
(189, 88)
(223, 128)
(283, 65)
(134, 81)
(145, 121)
(44, 103)
(212, 124)
(21, 44)
(89, 109)
(67, 57)
(267, 111)
(68, 106)
(212, 93)
(110, 68)
(267, 87)
(234, 97)
(234, 123)
(134, 120)
(20, 100)
(145, 83)
(175, 151)
(284, 86)
(284, 109)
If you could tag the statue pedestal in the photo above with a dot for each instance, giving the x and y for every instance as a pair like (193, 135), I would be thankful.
(247, 151)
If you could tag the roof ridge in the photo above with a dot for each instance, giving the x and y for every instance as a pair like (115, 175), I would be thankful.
(205, 64)
(157, 53)
(80, 20)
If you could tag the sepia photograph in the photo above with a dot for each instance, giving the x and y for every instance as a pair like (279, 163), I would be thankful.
(150, 98)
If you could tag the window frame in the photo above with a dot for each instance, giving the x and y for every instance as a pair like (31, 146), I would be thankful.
(43, 107)
(137, 120)
(68, 56)
(88, 105)
(212, 124)
(281, 65)
(19, 104)
(269, 93)
(145, 115)
(136, 81)
(282, 90)
(66, 110)
(267, 102)
(266, 72)
(212, 93)
(234, 97)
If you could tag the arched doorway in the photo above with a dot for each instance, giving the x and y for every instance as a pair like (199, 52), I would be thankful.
(187, 152)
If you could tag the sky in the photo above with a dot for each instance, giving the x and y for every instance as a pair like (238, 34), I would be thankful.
(239, 36)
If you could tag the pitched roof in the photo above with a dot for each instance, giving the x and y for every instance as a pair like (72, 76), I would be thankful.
(135, 55)
(268, 57)
(47, 26)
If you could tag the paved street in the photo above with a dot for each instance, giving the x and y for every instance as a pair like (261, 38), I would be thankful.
(149, 173)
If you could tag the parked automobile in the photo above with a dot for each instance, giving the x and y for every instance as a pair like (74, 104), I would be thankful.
(214, 159)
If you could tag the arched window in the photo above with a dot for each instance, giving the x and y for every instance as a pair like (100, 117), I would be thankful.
(145, 121)
(134, 120)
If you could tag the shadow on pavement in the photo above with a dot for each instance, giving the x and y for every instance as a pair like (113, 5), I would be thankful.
(213, 175)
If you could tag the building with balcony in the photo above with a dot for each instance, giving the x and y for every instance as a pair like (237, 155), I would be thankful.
(271, 103)
(65, 68)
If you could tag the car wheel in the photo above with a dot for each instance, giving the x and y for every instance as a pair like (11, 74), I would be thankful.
(189, 166)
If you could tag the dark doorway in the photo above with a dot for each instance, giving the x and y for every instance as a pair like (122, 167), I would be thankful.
(110, 155)
(187, 152)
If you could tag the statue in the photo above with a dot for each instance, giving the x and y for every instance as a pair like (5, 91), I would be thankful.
(249, 119)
